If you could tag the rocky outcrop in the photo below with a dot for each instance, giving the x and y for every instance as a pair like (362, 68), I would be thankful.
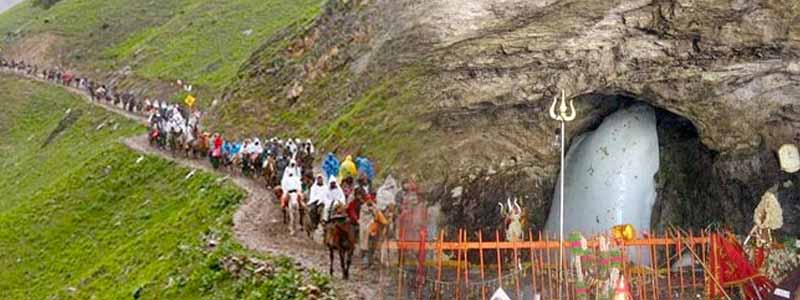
(482, 74)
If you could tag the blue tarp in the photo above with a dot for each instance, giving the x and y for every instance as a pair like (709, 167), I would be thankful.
(330, 166)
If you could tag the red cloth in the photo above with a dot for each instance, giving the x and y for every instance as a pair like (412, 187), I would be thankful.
(732, 267)
(760, 257)
(218, 143)
(353, 210)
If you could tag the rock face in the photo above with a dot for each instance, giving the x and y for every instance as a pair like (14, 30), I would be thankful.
(482, 73)
(609, 177)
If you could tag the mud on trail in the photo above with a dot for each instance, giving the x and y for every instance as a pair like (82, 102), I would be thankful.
(257, 223)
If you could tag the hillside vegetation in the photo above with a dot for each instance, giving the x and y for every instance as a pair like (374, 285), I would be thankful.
(227, 46)
(83, 217)
(202, 41)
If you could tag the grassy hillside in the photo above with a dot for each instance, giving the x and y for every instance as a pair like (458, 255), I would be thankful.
(203, 41)
(81, 219)
(338, 83)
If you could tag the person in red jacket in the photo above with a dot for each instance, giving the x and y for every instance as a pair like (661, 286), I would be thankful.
(216, 150)
(354, 207)
(353, 210)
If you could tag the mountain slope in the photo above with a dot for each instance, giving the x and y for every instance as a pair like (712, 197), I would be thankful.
(82, 217)
(199, 41)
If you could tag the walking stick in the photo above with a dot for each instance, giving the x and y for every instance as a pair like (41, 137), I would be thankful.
(697, 258)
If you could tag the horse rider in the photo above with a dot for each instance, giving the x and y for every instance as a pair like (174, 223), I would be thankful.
(347, 168)
(256, 151)
(290, 184)
(292, 147)
(317, 197)
(334, 201)
(373, 224)
(363, 184)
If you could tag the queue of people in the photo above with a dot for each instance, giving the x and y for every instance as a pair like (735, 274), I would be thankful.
(340, 192)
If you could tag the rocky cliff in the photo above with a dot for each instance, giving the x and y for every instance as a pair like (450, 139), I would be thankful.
(456, 91)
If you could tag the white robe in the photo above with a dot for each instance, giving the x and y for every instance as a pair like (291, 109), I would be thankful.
(335, 198)
(295, 171)
(289, 183)
(318, 194)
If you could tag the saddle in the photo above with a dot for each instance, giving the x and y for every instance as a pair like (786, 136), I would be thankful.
(338, 224)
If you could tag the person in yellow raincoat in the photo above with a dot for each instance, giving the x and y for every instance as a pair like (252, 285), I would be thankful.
(347, 168)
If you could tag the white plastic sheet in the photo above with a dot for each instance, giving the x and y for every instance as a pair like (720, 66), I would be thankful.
(386, 193)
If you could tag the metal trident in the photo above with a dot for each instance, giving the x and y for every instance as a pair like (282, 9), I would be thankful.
(563, 115)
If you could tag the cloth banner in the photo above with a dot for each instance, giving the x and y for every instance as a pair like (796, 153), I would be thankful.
(732, 268)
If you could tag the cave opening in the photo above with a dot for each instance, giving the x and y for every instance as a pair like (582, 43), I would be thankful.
(632, 162)
(685, 176)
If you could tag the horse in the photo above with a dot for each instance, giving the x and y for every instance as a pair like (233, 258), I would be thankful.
(173, 140)
(234, 162)
(269, 170)
(186, 141)
(200, 146)
(294, 206)
(154, 136)
(314, 216)
(340, 237)
(306, 160)
(256, 163)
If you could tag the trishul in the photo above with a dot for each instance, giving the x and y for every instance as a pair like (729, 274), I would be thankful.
(564, 114)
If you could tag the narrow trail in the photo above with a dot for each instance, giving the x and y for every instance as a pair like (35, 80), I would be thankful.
(257, 223)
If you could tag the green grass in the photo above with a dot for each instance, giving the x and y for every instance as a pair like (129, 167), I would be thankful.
(202, 41)
(28, 114)
(81, 219)
(208, 43)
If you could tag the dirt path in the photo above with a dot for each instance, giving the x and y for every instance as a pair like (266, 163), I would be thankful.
(258, 226)
(257, 222)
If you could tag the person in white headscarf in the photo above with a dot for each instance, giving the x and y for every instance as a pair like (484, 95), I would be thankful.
(310, 147)
(257, 147)
(291, 184)
(292, 146)
(246, 147)
(294, 168)
(335, 198)
(317, 197)
(255, 151)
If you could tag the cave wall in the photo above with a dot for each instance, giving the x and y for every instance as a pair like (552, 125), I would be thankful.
(728, 67)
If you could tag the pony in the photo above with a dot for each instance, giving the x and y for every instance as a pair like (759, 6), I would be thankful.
(154, 136)
(185, 141)
(269, 171)
(200, 146)
(234, 162)
(340, 238)
(294, 205)
(173, 139)
(313, 218)
(256, 163)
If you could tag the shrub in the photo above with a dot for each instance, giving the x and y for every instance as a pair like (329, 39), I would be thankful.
(45, 3)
